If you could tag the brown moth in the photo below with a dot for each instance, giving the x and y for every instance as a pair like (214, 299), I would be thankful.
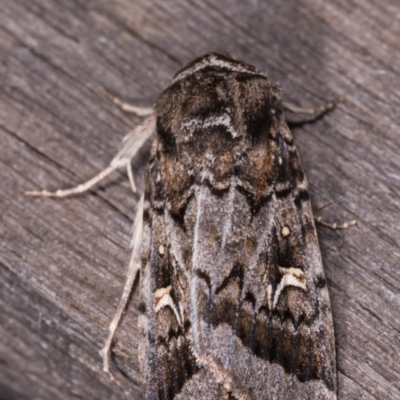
(234, 302)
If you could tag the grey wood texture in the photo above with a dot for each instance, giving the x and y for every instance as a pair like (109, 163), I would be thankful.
(63, 262)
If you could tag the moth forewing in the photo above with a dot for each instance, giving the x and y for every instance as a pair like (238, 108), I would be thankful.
(245, 312)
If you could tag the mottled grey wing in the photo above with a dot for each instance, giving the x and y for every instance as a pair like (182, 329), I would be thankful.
(170, 369)
(234, 299)
(260, 307)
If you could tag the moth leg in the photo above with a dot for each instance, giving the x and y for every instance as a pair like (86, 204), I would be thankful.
(140, 111)
(130, 146)
(130, 176)
(317, 111)
(82, 188)
(134, 267)
(334, 225)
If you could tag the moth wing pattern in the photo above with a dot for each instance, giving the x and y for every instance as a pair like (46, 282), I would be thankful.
(234, 302)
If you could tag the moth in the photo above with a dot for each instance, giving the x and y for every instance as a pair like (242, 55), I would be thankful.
(234, 303)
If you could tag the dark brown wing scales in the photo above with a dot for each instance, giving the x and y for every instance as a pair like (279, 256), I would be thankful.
(234, 298)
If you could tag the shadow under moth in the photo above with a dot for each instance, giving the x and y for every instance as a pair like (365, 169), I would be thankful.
(233, 299)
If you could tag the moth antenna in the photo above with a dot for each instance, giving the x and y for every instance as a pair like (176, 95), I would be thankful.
(328, 205)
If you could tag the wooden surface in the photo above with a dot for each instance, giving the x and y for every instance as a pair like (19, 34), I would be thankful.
(63, 262)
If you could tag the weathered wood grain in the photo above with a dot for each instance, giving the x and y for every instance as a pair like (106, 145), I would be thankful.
(63, 262)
